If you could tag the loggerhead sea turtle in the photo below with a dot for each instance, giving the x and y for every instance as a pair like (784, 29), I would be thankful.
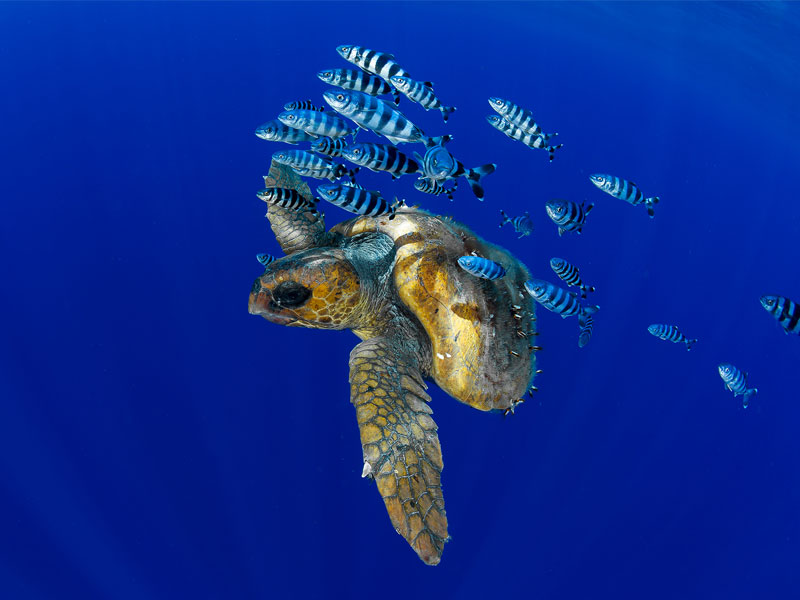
(397, 284)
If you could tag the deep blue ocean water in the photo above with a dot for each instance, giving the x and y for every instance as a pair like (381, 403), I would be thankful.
(157, 441)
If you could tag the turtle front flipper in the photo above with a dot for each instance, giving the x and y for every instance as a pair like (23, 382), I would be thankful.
(401, 447)
(294, 229)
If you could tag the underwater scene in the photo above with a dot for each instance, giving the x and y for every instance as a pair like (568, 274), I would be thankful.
(400, 300)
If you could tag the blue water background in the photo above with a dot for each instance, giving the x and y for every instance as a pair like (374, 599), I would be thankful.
(157, 441)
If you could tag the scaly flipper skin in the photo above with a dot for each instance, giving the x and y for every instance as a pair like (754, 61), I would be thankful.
(294, 230)
(398, 436)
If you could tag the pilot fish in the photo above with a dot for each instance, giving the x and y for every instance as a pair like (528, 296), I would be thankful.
(302, 105)
(529, 139)
(481, 267)
(275, 131)
(316, 123)
(378, 63)
(329, 146)
(376, 115)
(285, 198)
(421, 92)
(358, 80)
(304, 162)
(381, 157)
(785, 311)
(356, 200)
(671, 333)
(736, 382)
(557, 299)
(516, 115)
(265, 259)
(522, 223)
(585, 327)
(624, 190)
(434, 188)
(569, 216)
(438, 164)
(570, 275)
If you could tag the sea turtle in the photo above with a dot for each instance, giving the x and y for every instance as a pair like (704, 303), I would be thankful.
(397, 284)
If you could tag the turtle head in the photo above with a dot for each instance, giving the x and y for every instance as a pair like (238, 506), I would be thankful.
(316, 288)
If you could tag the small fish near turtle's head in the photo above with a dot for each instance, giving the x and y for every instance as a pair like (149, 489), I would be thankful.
(281, 157)
(317, 288)
(438, 163)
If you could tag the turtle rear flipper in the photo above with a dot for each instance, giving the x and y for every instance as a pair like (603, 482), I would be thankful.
(294, 229)
(399, 440)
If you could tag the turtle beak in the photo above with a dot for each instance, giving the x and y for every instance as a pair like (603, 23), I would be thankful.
(276, 305)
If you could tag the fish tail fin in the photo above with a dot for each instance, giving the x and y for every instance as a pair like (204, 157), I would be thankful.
(474, 177)
(351, 173)
(650, 203)
(690, 343)
(505, 220)
(446, 110)
(439, 140)
(396, 96)
(451, 190)
(747, 395)
(585, 289)
(551, 150)
(587, 208)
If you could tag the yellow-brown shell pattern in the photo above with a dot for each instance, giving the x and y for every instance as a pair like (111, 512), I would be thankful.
(481, 331)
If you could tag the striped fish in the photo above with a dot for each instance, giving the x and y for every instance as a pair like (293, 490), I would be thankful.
(285, 198)
(275, 131)
(376, 115)
(359, 81)
(736, 382)
(381, 157)
(570, 275)
(670, 333)
(529, 139)
(438, 165)
(569, 216)
(302, 159)
(522, 224)
(585, 327)
(317, 124)
(516, 115)
(557, 300)
(421, 92)
(302, 105)
(378, 63)
(785, 311)
(428, 186)
(334, 173)
(624, 190)
(356, 200)
(329, 146)
(481, 267)
(265, 258)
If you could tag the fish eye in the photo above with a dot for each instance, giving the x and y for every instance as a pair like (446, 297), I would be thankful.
(357, 152)
(290, 117)
(340, 96)
(327, 74)
(498, 102)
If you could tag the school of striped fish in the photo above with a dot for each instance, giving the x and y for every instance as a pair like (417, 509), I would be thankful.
(353, 105)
